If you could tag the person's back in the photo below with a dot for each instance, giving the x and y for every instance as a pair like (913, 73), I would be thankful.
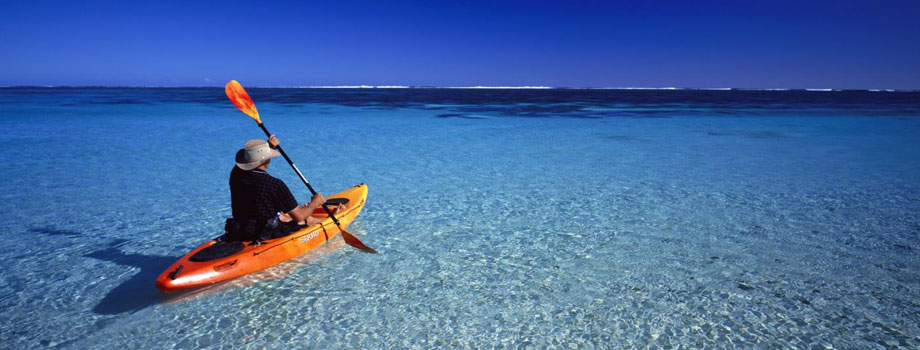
(256, 195)
(263, 206)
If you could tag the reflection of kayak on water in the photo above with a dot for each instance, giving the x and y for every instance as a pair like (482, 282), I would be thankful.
(217, 261)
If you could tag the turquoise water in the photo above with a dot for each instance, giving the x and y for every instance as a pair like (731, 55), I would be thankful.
(511, 219)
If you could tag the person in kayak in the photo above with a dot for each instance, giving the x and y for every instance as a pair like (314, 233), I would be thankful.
(263, 206)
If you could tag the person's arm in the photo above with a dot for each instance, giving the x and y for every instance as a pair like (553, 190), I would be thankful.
(301, 213)
(284, 200)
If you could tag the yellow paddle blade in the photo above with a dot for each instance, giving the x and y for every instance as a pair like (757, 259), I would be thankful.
(240, 98)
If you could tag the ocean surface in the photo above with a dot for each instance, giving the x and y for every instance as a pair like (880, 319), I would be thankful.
(521, 219)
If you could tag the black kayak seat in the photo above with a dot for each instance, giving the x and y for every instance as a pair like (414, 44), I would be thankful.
(219, 250)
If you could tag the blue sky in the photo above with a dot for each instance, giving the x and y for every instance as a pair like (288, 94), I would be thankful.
(762, 44)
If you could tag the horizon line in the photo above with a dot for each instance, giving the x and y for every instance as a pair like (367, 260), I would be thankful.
(474, 87)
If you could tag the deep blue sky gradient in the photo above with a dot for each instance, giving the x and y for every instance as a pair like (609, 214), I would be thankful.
(762, 44)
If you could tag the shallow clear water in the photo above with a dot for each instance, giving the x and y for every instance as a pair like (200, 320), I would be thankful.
(569, 219)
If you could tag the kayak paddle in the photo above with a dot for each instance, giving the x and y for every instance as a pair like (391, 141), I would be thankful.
(241, 99)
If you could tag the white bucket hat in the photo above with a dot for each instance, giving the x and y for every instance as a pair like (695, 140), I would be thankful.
(254, 154)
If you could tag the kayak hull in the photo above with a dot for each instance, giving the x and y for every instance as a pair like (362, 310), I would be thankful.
(185, 273)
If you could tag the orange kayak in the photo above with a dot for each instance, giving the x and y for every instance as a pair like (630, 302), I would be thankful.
(215, 261)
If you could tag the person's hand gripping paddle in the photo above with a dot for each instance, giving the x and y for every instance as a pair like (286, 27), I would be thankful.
(241, 99)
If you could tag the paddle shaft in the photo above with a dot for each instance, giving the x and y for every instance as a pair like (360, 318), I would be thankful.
(305, 182)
